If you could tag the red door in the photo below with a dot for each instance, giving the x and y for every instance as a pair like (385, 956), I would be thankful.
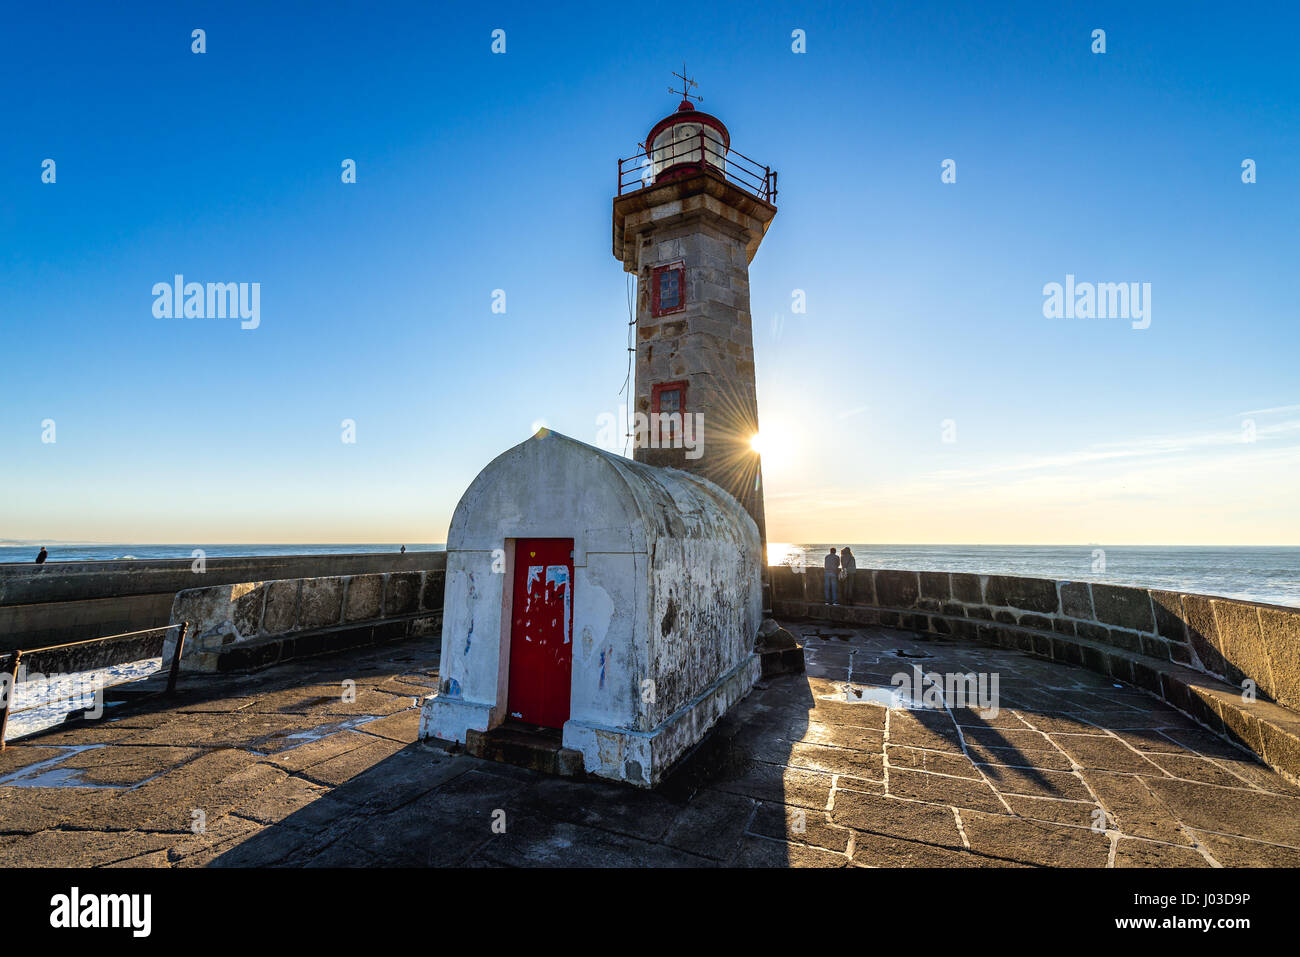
(541, 631)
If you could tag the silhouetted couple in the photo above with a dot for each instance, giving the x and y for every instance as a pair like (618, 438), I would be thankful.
(839, 571)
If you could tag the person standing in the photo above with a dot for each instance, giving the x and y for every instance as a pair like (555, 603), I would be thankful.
(40, 558)
(848, 565)
(832, 579)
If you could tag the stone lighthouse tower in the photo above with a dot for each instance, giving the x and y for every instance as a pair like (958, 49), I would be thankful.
(688, 218)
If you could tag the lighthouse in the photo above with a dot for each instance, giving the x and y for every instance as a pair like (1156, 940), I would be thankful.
(600, 614)
(689, 215)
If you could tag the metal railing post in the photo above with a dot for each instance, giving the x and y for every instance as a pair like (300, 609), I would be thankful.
(176, 657)
(10, 691)
(735, 167)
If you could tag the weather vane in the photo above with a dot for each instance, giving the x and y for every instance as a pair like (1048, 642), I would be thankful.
(685, 92)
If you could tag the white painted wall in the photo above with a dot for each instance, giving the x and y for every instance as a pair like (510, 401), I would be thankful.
(667, 601)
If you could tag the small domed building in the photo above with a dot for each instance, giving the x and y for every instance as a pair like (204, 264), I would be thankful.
(613, 602)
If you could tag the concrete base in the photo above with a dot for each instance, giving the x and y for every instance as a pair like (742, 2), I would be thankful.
(779, 651)
(643, 758)
(788, 661)
(449, 719)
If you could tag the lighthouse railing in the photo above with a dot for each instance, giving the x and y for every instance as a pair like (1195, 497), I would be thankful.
(645, 168)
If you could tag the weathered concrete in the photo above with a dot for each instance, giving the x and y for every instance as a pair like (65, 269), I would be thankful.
(70, 601)
(778, 649)
(296, 617)
(321, 603)
(666, 602)
(1072, 772)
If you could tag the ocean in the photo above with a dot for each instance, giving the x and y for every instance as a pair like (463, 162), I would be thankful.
(94, 552)
(1263, 573)
(1267, 574)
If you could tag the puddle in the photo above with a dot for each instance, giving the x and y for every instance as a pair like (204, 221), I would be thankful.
(887, 695)
(320, 731)
(45, 774)
(912, 654)
(325, 730)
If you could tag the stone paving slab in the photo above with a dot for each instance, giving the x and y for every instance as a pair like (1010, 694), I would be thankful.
(316, 763)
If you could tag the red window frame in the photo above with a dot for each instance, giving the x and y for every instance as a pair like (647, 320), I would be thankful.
(656, 391)
(678, 267)
(662, 387)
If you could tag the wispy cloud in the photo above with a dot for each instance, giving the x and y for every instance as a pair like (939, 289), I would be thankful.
(1208, 487)
(1276, 410)
(1151, 447)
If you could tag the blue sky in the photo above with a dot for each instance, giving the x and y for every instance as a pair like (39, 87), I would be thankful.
(478, 172)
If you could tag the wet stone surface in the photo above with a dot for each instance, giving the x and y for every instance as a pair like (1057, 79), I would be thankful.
(279, 769)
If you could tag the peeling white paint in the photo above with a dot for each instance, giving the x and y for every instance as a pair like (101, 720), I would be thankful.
(666, 595)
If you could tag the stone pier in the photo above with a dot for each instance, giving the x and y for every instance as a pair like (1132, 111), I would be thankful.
(1076, 769)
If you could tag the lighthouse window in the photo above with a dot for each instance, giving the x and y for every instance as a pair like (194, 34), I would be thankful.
(668, 288)
(668, 402)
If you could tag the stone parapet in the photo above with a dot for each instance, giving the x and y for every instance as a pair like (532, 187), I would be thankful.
(1230, 639)
(342, 611)
(55, 581)
(73, 601)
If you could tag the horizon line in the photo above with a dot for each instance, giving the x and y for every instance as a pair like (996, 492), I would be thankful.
(28, 543)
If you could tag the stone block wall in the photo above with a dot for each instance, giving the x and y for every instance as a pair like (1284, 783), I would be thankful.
(297, 616)
(709, 344)
(1229, 639)
(74, 601)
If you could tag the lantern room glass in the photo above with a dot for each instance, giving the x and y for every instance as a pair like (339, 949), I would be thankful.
(682, 142)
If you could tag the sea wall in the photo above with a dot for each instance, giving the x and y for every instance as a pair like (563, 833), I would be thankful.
(249, 625)
(1161, 641)
(70, 601)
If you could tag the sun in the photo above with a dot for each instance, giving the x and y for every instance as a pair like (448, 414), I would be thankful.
(771, 447)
